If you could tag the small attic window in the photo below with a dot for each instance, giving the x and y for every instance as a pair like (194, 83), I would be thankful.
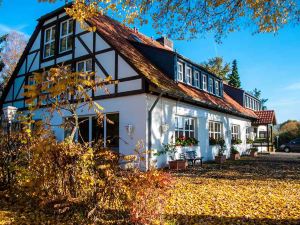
(136, 38)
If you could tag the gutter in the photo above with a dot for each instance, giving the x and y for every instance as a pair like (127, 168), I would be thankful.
(148, 152)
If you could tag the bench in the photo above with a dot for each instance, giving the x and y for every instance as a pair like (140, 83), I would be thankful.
(191, 158)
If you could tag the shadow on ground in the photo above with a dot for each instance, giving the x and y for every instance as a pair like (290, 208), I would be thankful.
(213, 220)
(264, 167)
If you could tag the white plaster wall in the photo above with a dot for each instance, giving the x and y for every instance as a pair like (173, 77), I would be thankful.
(37, 43)
(132, 110)
(165, 112)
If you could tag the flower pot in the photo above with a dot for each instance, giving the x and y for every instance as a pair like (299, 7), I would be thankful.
(220, 159)
(235, 156)
(253, 153)
(178, 165)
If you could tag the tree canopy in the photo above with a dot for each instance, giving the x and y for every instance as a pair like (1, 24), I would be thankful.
(217, 66)
(257, 93)
(234, 77)
(181, 19)
(11, 49)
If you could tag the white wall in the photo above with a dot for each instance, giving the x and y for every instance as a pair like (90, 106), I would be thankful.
(203, 116)
(132, 110)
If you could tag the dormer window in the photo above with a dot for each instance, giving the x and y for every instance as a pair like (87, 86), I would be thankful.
(180, 72)
(197, 79)
(210, 85)
(204, 82)
(189, 76)
(49, 42)
(217, 87)
(66, 33)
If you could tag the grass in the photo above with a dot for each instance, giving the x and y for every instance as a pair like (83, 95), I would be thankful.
(265, 190)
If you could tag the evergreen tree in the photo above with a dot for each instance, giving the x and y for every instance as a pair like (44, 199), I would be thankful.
(234, 78)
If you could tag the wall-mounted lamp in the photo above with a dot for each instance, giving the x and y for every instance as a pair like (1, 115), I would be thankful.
(129, 130)
(164, 128)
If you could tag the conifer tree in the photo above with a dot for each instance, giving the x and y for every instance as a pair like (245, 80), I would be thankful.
(234, 78)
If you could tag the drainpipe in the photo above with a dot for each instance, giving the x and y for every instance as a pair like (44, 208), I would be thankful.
(148, 153)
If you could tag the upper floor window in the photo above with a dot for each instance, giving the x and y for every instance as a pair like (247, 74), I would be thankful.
(197, 79)
(235, 132)
(185, 127)
(217, 86)
(49, 42)
(85, 66)
(66, 33)
(189, 76)
(180, 71)
(210, 85)
(204, 82)
(215, 130)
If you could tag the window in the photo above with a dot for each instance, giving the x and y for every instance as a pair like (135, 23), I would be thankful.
(90, 130)
(49, 42)
(217, 86)
(204, 82)
(235, 132)
(215, 130)
(189, 75)
(248, 132)
(185, 127)
(262, 134)
(210, 85)
(66, 33)
(197, 79)
(85, 66)
(180, 71)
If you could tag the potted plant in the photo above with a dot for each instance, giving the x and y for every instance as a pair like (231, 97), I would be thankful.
(253, 152)
(186, 141)
(221, 158)
(234, 153)
(236, 141)
(170, 150)
(249, 141)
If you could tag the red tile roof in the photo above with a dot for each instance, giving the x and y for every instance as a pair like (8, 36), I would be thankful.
(119, 36)
(265, 117)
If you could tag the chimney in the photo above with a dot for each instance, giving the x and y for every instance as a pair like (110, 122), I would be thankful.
(165, 42)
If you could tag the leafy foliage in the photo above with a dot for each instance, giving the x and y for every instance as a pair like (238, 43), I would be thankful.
(182, 19)
(215, 65)
(257, 93)
(236, 141)
(233, 150)
(186, 141)
(234, 78)
(288, 131)
(66, 175)
(11, 49)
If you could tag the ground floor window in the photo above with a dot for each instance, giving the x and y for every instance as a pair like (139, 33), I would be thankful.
(185, 127)
(248, 130)
(262, 134)
(215, 130)
(91, 130)
(235, 132)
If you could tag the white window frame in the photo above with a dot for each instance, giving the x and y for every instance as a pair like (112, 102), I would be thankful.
(248, 131)
(69, 23)
(189, 75)
(210, 85)
(215, 129)
(180, 71)
(197, 79)
(235, 132)
(50, 42)
(85, 62)
(204, 82)
(217, 87)
(183, 129)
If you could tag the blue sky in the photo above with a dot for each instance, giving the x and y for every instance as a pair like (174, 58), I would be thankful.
(267, 62)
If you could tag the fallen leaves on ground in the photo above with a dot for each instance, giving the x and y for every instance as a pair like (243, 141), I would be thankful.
(265, 190)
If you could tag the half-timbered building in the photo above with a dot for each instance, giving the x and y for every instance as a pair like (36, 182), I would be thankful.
(160, 94)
